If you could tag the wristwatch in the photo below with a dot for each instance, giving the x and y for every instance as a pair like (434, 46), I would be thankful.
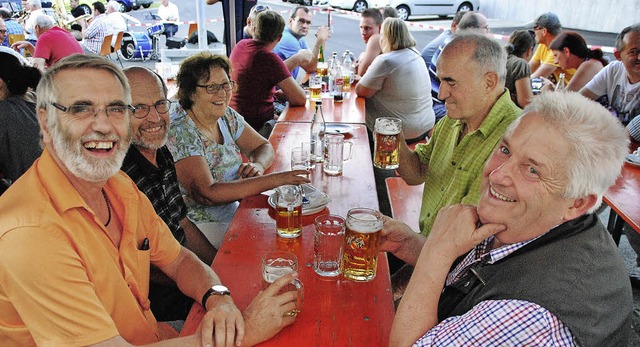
(218, 289)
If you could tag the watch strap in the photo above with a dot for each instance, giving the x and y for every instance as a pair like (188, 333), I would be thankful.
(210, 292)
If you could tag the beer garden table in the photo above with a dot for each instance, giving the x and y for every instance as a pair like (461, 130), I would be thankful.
(336, 311)
(351, 110)
(624, 199)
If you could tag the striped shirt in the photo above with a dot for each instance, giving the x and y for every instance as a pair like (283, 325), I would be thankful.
(634, 128)
(497, 322)
(95, 33)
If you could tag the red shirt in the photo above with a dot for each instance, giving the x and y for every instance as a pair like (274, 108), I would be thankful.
(256, 71)
(55, 44)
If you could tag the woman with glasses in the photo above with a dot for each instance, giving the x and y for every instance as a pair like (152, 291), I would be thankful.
(19, 129)
(207, 139)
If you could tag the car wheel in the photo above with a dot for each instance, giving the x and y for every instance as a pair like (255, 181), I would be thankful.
(360, 5)
(146, 5)
(403, 12)
(465, 6)
(123, 7)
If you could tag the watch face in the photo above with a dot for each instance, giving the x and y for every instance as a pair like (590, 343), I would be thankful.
(219, 288)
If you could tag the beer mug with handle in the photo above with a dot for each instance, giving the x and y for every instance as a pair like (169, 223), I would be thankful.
(334, 154)
(386, 131)
(361, 243)
(277, 264)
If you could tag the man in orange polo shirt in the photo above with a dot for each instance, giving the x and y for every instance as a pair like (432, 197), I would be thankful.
(77, 237)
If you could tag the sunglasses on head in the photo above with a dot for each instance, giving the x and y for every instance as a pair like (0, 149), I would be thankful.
(260, 8)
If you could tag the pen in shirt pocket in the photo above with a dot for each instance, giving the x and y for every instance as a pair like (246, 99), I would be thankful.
(145, 245)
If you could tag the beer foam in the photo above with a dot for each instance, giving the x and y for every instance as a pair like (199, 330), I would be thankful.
(387, 129)
(364, 224)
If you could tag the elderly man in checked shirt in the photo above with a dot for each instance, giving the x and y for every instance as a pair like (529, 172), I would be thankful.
(531, 264)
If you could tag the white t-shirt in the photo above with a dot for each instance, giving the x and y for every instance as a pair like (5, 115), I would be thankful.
(622, 96)
(117, 23)
(403, 91)
(169, 13)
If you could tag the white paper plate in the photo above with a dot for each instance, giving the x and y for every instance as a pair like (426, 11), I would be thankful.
(318, 200)
(338, 128)
(632, 159)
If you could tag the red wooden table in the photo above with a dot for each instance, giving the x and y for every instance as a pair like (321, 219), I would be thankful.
(405, 201)
(336, 312)
(351, 110)
(624, 200)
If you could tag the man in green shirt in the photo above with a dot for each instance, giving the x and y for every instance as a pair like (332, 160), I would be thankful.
(472, 71)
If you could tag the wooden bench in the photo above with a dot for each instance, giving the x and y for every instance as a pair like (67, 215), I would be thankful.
(405, 201)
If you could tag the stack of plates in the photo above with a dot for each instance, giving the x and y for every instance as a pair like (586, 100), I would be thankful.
(318, 200)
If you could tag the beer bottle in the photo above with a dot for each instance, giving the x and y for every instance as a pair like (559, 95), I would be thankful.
(321, 55)
(332, 67)
(338, 83)
(347, 72)
(560, 85)
(317, 126)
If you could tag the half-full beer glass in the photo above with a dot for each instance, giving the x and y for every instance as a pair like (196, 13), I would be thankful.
(362, 239)
(289, 211)
(386, 132)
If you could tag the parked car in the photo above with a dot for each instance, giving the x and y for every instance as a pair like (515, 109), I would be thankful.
(143, 3)
(357, 5)
(125, 5)
(441, 8)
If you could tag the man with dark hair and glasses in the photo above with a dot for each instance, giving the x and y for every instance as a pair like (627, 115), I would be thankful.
(293, 41)
(150, 165)
(77, 237)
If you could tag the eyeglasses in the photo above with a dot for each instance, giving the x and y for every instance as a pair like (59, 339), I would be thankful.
(140, 111)
(2, 31)
(86, 111)
(260, 8)
(215, 88)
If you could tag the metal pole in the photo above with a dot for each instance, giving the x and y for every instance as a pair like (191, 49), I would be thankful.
(202, 25)
(232, 24)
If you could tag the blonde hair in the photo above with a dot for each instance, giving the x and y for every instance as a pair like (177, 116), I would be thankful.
(397, 33)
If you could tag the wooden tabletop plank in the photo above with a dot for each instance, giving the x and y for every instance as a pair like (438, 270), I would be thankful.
(405, 200)
(351, 110)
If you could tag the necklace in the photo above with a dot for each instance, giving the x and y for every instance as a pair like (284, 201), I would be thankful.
(104, 195)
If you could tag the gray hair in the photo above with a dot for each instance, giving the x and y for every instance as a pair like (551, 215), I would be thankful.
(44, 21)
(35, 3)
(113, 5)
(47, 91)
(488, 53)
(620, 38)
(597, 141)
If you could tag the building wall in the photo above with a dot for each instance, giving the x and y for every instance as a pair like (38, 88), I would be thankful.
(593, 15)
